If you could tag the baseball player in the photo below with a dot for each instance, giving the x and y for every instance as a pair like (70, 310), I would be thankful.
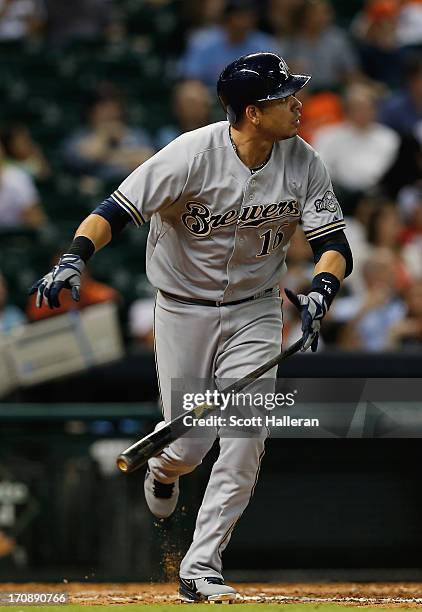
(223, 202)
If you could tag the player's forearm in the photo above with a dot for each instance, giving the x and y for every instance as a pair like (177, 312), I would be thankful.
(333, 263)
(97, 229)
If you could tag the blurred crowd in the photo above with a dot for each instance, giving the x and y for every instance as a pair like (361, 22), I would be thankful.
(362, 112)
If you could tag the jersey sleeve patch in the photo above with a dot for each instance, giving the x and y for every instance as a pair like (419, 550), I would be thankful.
(328, 202)
(130, 208)
(328, 228)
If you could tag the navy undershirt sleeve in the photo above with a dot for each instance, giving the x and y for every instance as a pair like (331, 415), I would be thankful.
(114, 214)
(336, 241)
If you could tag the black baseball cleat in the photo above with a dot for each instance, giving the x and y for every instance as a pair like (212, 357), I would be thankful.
(161, 498)
(210, 589)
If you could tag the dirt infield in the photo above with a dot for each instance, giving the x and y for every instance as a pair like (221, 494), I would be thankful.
(404, 595)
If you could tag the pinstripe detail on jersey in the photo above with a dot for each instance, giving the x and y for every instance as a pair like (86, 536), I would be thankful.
(122, 200)
(325, 229)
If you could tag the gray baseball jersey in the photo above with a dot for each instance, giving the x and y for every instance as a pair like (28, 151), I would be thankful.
(218, 231)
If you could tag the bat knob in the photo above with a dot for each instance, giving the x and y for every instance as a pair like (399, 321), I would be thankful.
(122, 463)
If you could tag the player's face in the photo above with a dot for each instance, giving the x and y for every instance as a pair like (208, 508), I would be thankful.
(280, 119)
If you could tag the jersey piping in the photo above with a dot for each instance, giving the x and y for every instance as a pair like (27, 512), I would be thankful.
(325, 229)
(127, 205)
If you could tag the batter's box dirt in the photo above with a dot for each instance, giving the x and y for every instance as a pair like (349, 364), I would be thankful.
(379, 595)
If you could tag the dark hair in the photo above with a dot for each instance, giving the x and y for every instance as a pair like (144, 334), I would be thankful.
(7, 133)
(374, 218)
(102, 93)
(235, 6)
(413, 66)
(301, 13)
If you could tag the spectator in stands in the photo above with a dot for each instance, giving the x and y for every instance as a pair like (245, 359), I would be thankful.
(141, 322)
(359, 150)
(406, 169)
(19, 200)
(410, 206)
(409, 29)
(7, 544)
(410, 203)
(376, 33)
(402, 111)
(338, 336)
(209, 50)
(205, 13)
(92, 292)
(320, 48)
(408, 332)
(192, 106)
(282, 16)
(10, 316)
(384, 226)
(21, 19)
(78, 20)
(356, 233)
(20, 150)
(372, 313)
(384, 231)
(320, 110)
(107, 147)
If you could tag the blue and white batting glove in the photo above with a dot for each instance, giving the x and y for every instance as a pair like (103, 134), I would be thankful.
(65, 275)
(312, 307)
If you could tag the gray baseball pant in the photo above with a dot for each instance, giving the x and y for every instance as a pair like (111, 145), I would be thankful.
(214, 343)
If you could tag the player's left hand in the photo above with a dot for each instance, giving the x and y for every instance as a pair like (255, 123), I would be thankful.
(312, 308)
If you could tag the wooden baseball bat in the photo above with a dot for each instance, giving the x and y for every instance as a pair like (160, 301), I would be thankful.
(138, 454)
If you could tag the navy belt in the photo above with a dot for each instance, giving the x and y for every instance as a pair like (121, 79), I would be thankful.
(199, 302)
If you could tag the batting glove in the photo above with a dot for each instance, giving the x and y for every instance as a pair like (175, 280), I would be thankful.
(312, 307)
(66, 274)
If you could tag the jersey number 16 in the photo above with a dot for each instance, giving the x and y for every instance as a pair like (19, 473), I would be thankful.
(271, 240)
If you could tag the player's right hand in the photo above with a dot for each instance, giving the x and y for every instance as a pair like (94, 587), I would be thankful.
(312, 309)
(65, 275)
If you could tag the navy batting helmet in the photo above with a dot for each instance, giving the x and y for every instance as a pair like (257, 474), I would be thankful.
(255, 78)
